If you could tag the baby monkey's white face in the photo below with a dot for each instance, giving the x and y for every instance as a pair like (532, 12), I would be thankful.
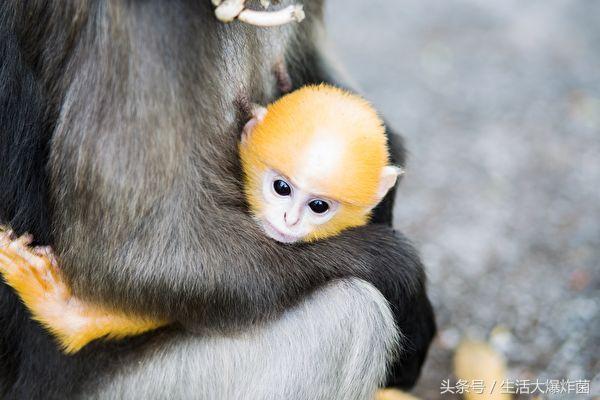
(290, 212)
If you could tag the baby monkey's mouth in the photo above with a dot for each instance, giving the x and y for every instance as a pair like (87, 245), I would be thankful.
(276, 234)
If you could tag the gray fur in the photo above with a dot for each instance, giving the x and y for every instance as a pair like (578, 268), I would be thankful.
(149, 214)
(334, 345)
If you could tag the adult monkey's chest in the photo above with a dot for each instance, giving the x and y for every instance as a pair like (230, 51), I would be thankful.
(151, 70)
(148, 120)
(149, 82)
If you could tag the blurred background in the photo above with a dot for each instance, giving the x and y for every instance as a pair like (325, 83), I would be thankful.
(499, 103)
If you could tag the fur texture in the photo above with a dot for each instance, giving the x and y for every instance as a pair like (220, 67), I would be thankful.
(138, 189)
(35, 277)
(328, 137)
(336, 344)
(326, 141)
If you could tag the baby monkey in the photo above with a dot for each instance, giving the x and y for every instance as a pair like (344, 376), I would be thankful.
(315, 163)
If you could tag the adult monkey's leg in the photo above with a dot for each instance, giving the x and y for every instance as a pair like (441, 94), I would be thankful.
(333, 345)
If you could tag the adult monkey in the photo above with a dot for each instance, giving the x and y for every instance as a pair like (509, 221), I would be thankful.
(118, 135)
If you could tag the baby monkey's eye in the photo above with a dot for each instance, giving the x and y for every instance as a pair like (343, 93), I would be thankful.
(282, 188)
(318, 206)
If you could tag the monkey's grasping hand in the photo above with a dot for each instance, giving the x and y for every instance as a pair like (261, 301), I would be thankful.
(33, 273)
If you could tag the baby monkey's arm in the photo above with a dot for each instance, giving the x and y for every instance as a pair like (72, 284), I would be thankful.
(33, 273)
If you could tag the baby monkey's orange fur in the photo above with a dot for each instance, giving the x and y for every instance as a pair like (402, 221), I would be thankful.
(328, 142)
(292, 122)
(33, 274)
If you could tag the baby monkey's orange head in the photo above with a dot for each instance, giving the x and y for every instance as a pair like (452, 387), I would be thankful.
(315, 164)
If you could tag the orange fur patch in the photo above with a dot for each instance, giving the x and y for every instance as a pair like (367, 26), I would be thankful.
(72, 321)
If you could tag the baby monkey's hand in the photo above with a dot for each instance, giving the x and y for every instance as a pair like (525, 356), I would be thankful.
(34, 274)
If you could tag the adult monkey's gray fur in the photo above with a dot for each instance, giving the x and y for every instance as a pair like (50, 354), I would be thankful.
(132, 105)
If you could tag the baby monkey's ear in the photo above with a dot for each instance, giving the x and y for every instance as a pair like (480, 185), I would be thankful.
(389, 176)
(258, 115)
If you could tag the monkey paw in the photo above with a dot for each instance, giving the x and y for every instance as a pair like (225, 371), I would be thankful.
(31, 271)
(34, 275)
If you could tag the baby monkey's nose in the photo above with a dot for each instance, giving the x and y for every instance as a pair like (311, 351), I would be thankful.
(291, 220)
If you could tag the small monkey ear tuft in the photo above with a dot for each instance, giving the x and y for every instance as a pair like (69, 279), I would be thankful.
(258, 115)
(389, 176)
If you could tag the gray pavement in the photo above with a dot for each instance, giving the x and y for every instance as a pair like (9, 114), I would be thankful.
(499, 102)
